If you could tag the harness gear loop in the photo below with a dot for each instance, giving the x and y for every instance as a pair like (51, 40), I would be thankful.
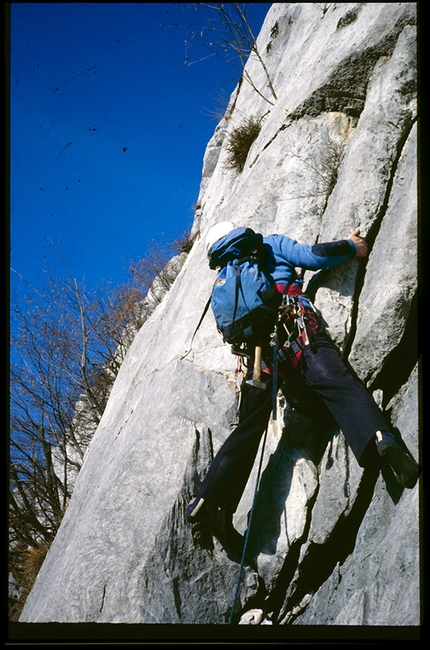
(298, 323)
(292, 328)
(290, 311)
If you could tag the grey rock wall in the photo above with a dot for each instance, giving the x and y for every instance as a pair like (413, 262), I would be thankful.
(332, 545)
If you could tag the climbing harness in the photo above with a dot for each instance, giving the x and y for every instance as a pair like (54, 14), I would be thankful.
(293, 327)
(245, 544)
(293, 318)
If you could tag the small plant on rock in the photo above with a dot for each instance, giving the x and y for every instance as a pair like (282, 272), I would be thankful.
(323, 164)
(239, 142)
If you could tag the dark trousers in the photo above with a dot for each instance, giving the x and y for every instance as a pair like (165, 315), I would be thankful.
(323, 370)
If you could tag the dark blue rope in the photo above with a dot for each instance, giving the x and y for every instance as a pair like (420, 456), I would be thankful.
(242, 562)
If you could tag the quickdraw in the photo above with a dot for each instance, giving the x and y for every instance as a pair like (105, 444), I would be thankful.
(291, 328)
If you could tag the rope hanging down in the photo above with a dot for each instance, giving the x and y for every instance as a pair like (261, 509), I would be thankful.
(242, 562)
(187, 352)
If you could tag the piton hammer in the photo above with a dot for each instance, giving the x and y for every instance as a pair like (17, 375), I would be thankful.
(256, 376)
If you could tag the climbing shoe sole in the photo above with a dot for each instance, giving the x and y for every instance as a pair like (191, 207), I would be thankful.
(193, 509)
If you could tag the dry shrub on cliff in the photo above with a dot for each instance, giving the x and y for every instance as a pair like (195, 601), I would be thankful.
(239, 142)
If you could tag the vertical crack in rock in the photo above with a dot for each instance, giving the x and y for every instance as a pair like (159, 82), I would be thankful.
(399, 364)
(320, 560)
(371, 237)
(177, 596)
(287, 574)
(103, 598)
(202, 454)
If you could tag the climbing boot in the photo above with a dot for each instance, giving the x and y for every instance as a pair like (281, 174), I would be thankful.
(202, 516)
(195, 510)
(405, 468)
(200, 511)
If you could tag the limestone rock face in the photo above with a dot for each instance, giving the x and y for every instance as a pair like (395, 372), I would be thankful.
(331, 544)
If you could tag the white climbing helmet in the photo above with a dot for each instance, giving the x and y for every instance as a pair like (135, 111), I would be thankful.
(217, 232)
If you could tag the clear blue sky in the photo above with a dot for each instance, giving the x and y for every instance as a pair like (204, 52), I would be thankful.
(108, 130)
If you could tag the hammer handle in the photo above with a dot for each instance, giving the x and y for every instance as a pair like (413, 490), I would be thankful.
(257, 363)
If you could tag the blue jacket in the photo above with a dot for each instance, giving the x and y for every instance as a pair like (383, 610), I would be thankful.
(283, 254)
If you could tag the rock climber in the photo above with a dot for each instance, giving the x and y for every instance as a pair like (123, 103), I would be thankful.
(317, 360)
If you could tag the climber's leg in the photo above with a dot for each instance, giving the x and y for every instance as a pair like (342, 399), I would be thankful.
(228, 474)
(353, 407)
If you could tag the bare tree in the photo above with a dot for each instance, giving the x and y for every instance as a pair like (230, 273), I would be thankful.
(227, 33)
(67, 345)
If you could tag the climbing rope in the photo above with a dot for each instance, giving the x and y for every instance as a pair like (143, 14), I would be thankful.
(242, 562)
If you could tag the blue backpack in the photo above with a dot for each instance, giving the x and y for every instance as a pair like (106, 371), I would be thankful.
(243, 295)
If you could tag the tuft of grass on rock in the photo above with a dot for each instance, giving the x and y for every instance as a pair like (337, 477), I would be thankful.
(239, 142)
